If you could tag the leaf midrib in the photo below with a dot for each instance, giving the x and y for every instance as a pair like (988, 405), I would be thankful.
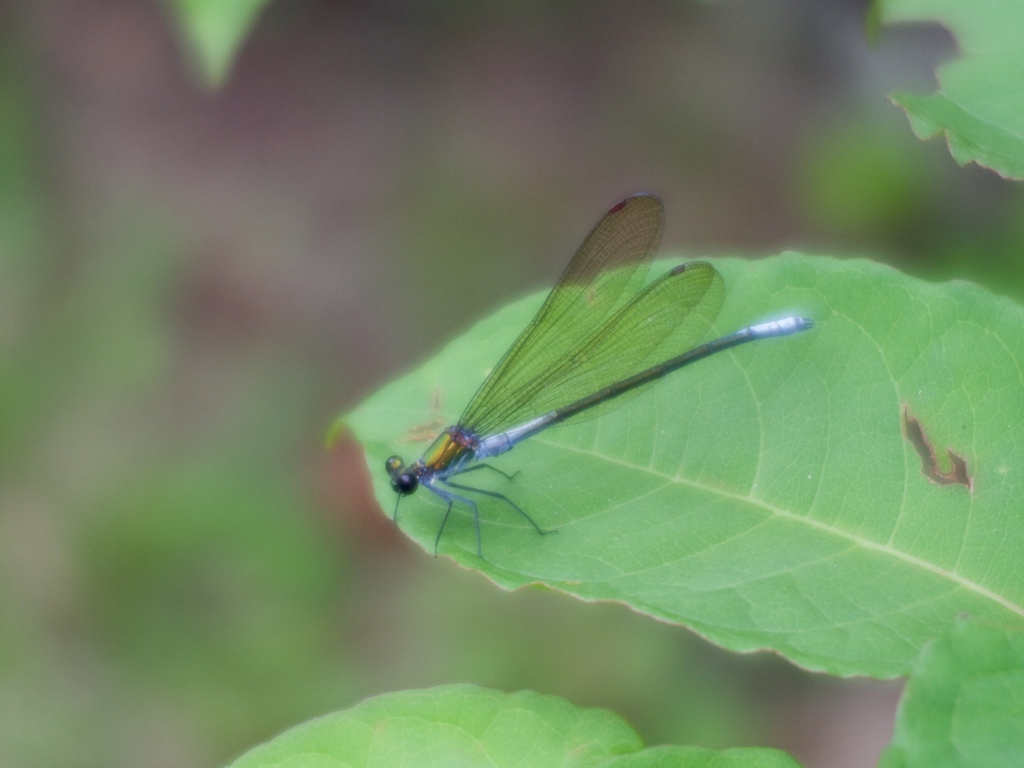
(886, 549)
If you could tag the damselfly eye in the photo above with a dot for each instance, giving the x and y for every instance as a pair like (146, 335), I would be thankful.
(404, 482)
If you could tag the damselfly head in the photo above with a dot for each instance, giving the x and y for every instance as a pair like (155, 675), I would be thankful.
(403, 481)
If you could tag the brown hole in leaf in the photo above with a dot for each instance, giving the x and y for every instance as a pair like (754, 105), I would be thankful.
(957, 475)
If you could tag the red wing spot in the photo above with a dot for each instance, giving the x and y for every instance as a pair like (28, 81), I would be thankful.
(618, 206)
(914, 432)
(423, 433)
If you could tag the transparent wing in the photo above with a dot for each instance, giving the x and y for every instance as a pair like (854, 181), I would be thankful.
(605, 273)
(664, 320)
(595, 328)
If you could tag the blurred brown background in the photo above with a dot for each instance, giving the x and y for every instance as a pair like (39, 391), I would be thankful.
(195, 284)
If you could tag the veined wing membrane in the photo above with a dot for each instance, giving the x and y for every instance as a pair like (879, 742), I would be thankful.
(665, 319)
(603, 277)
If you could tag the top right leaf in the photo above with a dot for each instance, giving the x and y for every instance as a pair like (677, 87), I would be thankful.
(980, 103)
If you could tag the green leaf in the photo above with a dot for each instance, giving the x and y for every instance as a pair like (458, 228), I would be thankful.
(765, 497)
(466, 725)
(213, 31)
(980, 105)
(964, 703)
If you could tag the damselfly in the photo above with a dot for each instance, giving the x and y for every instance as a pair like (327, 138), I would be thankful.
(600, 336)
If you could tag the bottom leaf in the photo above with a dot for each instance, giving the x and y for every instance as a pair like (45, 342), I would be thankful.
(468, 725)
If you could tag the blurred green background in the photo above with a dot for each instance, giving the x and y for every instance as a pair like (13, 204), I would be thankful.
(195, 283)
